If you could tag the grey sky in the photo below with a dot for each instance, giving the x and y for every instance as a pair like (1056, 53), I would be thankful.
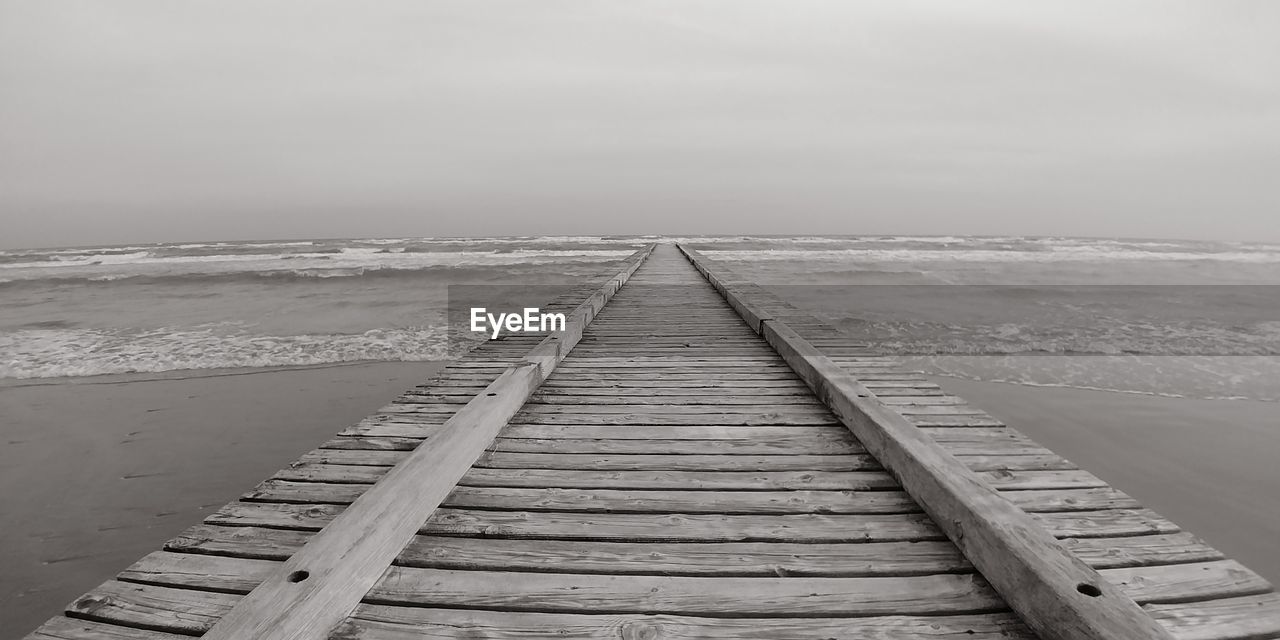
(132, 120)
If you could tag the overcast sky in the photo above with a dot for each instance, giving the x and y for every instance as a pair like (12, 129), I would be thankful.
(137, 121)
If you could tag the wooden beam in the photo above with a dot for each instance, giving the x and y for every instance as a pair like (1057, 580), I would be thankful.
(1053, 591)
(321, 584)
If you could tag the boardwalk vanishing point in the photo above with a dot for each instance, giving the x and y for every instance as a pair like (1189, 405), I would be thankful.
(689, 458)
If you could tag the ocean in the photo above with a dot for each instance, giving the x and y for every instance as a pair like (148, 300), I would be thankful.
(1160, 317)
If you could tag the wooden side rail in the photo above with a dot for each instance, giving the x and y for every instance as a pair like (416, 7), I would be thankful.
(321, 584)
(1054, 592)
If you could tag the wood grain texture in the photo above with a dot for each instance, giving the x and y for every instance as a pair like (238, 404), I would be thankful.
(1246, 618)
(720, 597)
(62, 628)
(425, 583)
(377, 622)
(597, 556)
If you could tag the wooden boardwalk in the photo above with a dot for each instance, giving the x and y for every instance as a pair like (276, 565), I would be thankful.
(698, 461)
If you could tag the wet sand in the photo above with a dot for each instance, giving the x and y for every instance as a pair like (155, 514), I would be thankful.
(1208, 465)
(97, 472)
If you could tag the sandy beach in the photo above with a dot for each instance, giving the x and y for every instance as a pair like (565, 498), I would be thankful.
(1208, 465)
(98, 472)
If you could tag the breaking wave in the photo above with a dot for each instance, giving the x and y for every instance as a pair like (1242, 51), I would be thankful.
(49, 353)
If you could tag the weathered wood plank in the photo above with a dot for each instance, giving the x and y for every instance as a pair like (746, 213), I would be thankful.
(1188, 582)
(663, 502)
(697, 480)
(500, 460)
(590, 556)
(764, 480)
(681, 446)
(338, 473)
(695, 411)
(430, 586)
(376, 622)
(769, 418)
(611, 526)
(241, 542)
(640, 385)
(166, 609)
(746, 597)
(1246, 618)
(718, 433)
(717, 400)
(62, 628)
(641, 462)
(686, 501)
(778, 559)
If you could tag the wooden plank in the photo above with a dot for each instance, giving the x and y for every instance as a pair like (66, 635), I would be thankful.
(640, 462)
(685, 527)
(691, 558)
(683, 501)
(683, 401)
(165, 609)
(1006, 480)
(1106, 523)
(218, 574)
(1055, 593)
(321, 472)
(505, 460)
(322, 583)
(718, 433)
(953, 421)
(1188, 582)
(677, 446)
(274, 490)
(661, 384)
(375, 443)
(1247, 618)
(1138, 551)
(355, 457)
(776, 559)
(376, 622)
(765, 480)
(665, 501)
(1054, 500)
(746, 597)
(696, 480)
(432, 586)
(690, 365)
(240, 542)
(61, 628)
(672, 418)
(696, 411)
(616, 526)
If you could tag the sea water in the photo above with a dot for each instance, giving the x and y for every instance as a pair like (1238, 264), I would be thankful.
(1179, 318)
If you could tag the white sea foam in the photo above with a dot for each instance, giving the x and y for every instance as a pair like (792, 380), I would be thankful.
(346, 261)
(30, 352)
(1062, 254)
(46, 353)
